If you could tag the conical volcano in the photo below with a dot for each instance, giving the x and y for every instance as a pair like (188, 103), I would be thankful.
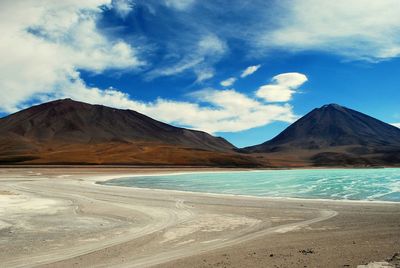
(333, 134)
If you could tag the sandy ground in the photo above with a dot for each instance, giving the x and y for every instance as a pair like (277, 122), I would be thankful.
(59, 217)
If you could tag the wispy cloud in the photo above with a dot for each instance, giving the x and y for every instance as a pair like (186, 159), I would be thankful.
(282, 88)
(197, 59)
(250, 70)
(180, 4)
(122, 7)
(228, 82)
(357, 29)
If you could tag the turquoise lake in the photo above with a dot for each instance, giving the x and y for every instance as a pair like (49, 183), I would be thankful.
(340, 184)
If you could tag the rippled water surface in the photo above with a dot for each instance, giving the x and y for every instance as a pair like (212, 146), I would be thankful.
(351, 184)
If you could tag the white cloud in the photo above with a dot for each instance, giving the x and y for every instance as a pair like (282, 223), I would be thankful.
(290, 80)
(282, 88)
(45, 43)
(250, 70)
(199, 59)
(396, 125)
(225, 110)
(228, 82)
(179, 4)
(211, 45)
(358, 29)
(204, 74)
(123, 7)
(211, 110)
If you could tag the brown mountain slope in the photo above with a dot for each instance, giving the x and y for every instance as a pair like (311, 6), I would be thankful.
(67, 131)
(334, 135)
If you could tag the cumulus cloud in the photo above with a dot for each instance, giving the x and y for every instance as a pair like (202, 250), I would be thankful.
(228, 82)
(45, 44)
(396, 125)
(250, 70)
(282, 88)
(358, 29)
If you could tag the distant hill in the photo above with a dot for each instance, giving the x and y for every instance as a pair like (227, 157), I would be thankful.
(71, 132)
(334, 135)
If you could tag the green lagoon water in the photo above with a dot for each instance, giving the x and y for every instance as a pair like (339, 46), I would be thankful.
(342, 184)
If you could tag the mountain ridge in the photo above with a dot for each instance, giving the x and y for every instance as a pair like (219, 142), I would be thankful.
(41, 131)
(138, 126)
(70, 132)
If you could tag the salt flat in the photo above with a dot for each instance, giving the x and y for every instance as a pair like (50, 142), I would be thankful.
(59, 217)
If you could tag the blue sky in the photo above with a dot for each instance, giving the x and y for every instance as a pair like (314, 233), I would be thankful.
(243, 70)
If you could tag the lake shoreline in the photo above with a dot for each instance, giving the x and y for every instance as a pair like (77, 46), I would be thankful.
(80, 223)
(124, 182)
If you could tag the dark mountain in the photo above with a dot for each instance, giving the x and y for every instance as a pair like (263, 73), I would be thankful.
(71, 121)
(67, 131)
(335, 135)
(71, 132)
